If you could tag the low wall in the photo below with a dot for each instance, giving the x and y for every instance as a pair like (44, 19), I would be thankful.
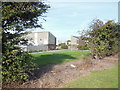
(37, 48)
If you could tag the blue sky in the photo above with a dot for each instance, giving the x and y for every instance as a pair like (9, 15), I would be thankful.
(66, 17)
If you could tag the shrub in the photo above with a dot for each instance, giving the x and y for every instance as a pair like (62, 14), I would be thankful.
(16, 65)
(35, 51)
(102, 38)
(69, 45)
(64, 46)
(82, 47)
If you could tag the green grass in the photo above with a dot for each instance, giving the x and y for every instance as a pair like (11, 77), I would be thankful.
(99, 79)
(58, 57)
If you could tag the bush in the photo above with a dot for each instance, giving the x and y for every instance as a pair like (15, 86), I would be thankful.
(69, 45)
(64, 46)
(82, 47)
(102, 38)
(16, 65)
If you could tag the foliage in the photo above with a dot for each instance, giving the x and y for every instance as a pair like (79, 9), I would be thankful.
(59, 44)
(68, 42)
(64, 46)
(16, 18)
(102, 38)
(82, 47)
(16, 66)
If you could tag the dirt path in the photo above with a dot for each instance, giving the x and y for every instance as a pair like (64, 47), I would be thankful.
(52, 76)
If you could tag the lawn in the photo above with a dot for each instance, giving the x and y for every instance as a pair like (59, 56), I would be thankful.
(99, 79)
(58, 57)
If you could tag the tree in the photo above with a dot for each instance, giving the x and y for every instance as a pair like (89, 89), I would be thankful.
(102, 38)
(68, 41)
(64, 46)
(16, 18)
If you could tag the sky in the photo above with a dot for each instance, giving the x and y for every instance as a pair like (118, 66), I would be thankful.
(66, 17)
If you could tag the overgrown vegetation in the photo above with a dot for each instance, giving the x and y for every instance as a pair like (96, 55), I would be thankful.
(102, 38)
(16, 18)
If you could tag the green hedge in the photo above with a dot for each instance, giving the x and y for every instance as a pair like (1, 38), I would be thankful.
(16, 65)
(82, 47)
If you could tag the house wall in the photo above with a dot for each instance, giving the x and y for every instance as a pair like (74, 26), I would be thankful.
(51, 41)
(41, 41)
(74, 42)
(37, 48)
(42, 38)
(81, 42)
(30, 38)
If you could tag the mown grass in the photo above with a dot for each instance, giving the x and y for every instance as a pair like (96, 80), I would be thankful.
(58, 57)
(99, 79)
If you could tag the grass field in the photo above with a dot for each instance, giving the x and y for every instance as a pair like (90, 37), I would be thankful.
(99, 79)
(58, 57)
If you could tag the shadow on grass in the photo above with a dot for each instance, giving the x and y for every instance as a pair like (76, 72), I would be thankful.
(52, 59)
(45, 63)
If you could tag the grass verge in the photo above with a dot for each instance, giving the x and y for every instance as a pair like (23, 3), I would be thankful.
(99, 79)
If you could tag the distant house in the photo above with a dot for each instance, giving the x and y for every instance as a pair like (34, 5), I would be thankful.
(75, 41)
(40, 41)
